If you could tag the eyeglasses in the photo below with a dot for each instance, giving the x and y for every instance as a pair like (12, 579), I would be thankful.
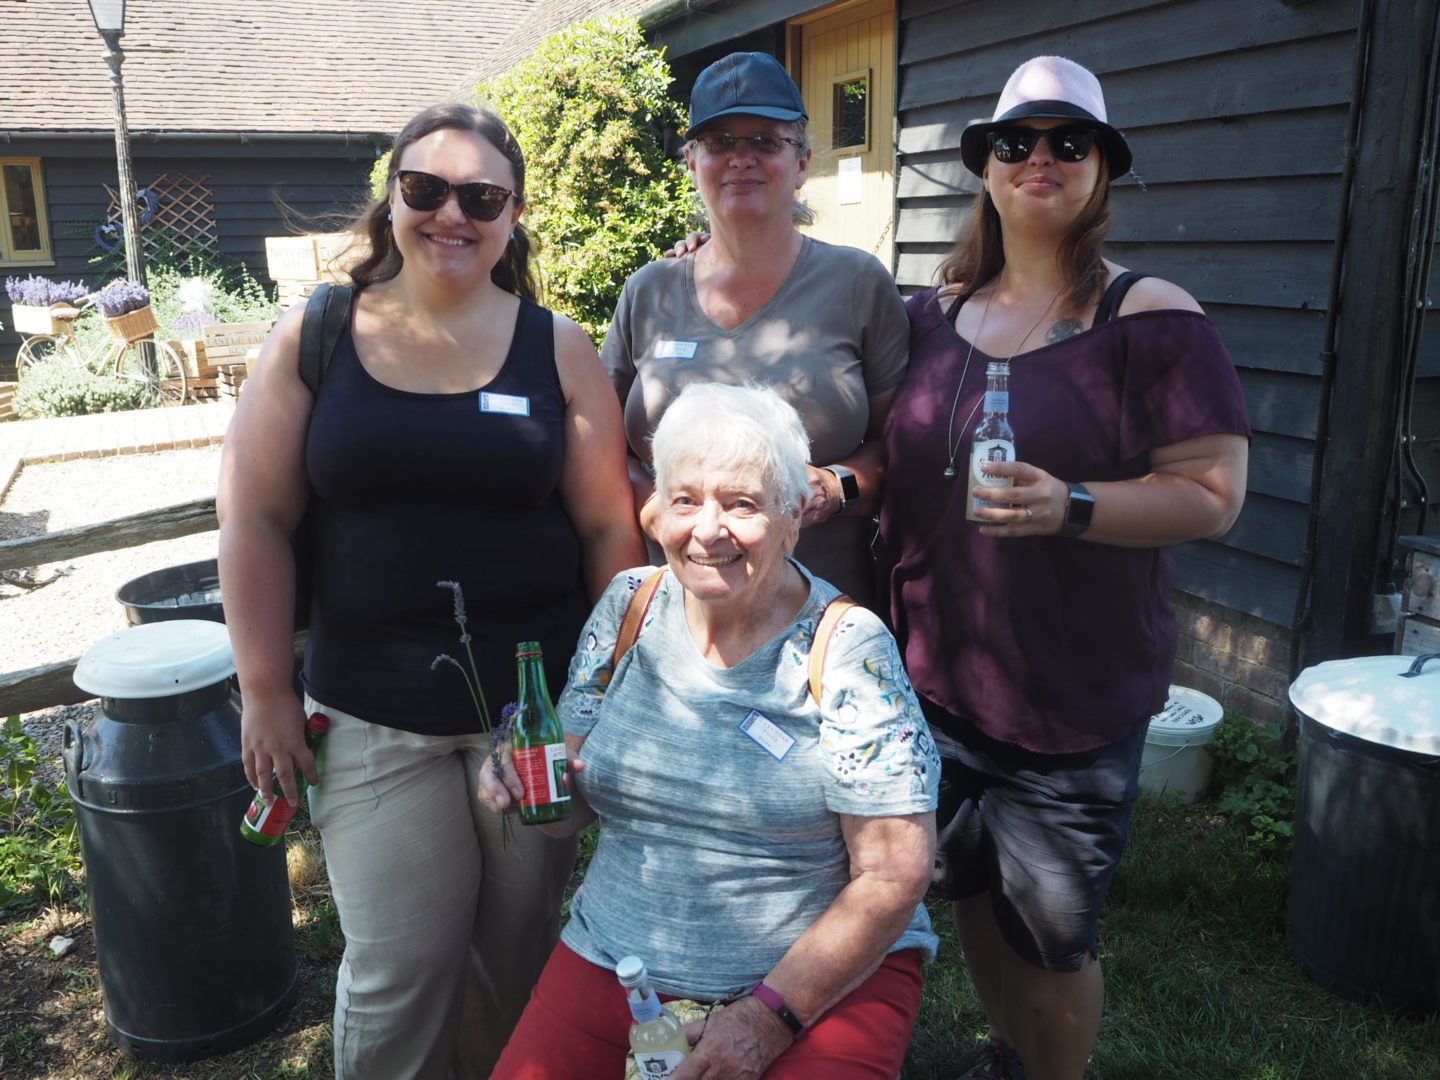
(478, 200)
(1069, 142)
(759, 145)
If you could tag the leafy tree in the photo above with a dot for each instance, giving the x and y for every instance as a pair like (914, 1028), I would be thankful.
(591, 109)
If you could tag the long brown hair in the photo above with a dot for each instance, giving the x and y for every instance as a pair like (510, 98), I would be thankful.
(383, 261)
(979, 253)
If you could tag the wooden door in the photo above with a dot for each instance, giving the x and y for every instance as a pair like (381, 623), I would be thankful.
(843, 58)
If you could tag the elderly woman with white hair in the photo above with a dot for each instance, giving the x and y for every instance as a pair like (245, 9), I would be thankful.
(766, 829)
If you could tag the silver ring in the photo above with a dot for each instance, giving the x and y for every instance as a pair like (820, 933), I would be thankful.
(1029, 515)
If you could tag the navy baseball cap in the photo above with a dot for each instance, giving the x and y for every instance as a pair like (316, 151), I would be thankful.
(745, 84)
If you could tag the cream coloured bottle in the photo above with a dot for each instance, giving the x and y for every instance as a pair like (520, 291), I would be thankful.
(657, 1038)
(994, 440)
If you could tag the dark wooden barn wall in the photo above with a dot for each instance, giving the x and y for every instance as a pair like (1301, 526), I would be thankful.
(259, 189)
(1236, 112)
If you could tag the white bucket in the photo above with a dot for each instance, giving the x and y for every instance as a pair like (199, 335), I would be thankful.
(1175, 759)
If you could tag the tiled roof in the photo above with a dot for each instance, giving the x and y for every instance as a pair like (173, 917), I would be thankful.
(543, 18)
(262, 66)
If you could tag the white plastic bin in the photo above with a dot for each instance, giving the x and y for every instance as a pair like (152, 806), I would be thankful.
(1175, 759)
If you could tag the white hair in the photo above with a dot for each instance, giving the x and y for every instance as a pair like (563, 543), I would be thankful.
(725, 426)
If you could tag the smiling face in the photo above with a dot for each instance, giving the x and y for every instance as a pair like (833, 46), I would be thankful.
(725, 535)
(445, 242)
(1042, 189)
(741, 181)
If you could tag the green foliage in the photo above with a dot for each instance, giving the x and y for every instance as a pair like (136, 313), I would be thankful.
(1255, 774)
(192, 293)
(39, 843)
(53, 390)
(591, 111)
(378, 174)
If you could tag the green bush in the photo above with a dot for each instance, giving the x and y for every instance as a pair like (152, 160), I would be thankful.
(52, 390)
(39, 845)
(591, 110)
(1255, 774)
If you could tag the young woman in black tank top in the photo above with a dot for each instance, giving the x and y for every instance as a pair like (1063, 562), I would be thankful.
(461, 433)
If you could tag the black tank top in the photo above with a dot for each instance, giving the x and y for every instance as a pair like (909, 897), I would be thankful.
(411, 489)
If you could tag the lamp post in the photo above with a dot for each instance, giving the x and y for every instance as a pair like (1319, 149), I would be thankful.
(109, 16)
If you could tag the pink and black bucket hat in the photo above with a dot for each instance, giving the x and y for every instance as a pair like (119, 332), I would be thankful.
(1048, 87)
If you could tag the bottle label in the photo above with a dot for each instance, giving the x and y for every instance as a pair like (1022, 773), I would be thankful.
(269, 820)
(658, 1066)
(542, 772)
(986, 450)
(645, 1008)
(997, 401)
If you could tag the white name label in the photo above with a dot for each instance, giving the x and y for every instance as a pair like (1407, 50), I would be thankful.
(769, 735)
(504, 403)
(674, 350)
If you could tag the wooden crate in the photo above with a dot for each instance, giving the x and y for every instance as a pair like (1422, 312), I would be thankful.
(232, 343)
(32, 319)
(229, 378)
(7, 400)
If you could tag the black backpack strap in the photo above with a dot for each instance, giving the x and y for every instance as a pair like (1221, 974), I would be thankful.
(327, 314)
(1115, 294)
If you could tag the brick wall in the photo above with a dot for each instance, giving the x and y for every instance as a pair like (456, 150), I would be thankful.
(1239, 660)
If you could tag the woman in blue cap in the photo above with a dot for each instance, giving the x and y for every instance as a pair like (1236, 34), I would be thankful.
(823, 325)
(1041, 641)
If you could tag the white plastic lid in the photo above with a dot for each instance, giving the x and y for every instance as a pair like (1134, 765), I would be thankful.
(1369, 698)
(1189, 718)
(156, 660)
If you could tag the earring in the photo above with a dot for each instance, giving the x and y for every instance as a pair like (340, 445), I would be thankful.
(512, 236)
(388, 217)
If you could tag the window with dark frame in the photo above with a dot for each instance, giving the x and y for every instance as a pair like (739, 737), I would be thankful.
(851, 111)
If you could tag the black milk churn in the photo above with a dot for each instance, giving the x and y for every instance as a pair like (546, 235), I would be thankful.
(192, 924)
(1365, 876)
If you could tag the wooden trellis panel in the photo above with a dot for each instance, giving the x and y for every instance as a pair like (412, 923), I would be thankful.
(184, 218)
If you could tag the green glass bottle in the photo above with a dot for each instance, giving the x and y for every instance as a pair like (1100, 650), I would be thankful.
(538, 741)
(264, 826)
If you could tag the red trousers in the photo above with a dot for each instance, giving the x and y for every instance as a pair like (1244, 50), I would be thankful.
(576, 1027)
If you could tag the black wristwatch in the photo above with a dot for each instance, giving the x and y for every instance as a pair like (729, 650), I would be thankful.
(849, 486)
(1079, 509)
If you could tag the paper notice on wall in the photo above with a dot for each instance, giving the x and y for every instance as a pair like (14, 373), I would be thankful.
(850, 181)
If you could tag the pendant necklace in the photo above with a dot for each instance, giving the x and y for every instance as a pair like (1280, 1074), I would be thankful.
(950, 443)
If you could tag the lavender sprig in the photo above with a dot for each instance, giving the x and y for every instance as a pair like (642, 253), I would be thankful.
(470, 672)
(500, 735)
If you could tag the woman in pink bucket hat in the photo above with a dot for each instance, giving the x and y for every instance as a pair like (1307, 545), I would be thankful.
(1041, 641)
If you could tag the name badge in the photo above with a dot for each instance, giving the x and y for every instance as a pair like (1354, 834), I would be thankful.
(504, 403)
(674, 350)
(770, 736)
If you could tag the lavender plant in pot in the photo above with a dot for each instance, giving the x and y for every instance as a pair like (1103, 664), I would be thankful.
(126, 307)
(38, 302)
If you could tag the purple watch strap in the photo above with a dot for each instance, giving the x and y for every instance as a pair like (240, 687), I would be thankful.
(775, 1002)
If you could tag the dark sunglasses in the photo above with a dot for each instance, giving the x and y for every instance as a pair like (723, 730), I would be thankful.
(1069, 142)
(478, 200)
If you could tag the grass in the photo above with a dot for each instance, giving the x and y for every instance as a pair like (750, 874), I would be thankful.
(1200, 981)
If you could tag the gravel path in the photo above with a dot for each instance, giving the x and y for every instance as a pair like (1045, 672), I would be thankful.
(62, 619)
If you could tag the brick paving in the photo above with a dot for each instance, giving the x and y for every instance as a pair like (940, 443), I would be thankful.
(140, 431)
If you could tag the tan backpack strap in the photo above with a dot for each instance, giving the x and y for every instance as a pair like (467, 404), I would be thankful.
(635, 615)
(824, 631)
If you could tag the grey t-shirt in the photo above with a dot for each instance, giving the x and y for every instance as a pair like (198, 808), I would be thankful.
(834, 334)
(719, 789)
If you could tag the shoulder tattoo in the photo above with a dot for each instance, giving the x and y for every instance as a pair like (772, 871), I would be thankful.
(1063, 329)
